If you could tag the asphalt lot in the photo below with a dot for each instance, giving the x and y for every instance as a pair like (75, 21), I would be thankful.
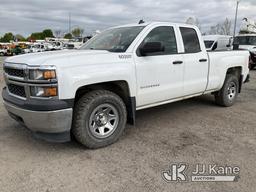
(192, 131)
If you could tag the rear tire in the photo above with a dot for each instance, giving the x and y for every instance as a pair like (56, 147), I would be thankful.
(99, 119)
(228, 94)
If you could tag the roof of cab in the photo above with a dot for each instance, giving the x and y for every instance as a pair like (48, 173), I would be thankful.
(249, 34)
(153, 23)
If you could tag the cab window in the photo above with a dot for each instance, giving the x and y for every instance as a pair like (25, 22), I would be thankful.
(190, 40)
(164, 35)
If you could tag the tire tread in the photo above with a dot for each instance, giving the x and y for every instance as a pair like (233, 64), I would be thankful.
(82, 107)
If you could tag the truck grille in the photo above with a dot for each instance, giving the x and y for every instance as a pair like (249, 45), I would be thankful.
(14, 72)
(17, 90)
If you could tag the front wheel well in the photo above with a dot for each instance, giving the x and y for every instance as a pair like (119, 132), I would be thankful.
(121, 88)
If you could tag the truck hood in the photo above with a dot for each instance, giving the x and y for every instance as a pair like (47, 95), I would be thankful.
(54, 57)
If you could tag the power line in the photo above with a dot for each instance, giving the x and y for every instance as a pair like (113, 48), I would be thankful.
(237, 4)
(69, 22)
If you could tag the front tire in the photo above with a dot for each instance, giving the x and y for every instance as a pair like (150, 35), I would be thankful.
(228, 94)
(99, 119)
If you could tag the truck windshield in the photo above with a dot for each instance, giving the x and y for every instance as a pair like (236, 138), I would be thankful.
(246, 40)
(114, 40)
(208, 44)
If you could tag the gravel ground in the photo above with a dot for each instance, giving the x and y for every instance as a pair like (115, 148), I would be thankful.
(191, 131)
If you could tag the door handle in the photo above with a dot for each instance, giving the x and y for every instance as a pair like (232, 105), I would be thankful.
(203, 60)
(177, 62)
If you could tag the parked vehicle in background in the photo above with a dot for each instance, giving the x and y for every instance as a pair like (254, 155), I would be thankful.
(69, 46)
(217, 42)
(38, 48)
(27, 49)
(17, 50)
(43, 47)
(76, 42)
(248, 42)
(48, 46)
(92, 92)
(9, 52)
(3, 51)
(57, 45)
(34, 48)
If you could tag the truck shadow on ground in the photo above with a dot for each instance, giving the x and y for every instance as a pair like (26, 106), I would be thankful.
(203, 102)
(144, 118)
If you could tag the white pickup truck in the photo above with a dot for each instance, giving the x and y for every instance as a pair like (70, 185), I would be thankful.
(94, 91)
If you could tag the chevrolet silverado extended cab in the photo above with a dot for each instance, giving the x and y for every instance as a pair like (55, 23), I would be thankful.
(94, 91)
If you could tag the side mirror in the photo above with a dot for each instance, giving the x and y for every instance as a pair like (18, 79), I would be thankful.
(151, 47)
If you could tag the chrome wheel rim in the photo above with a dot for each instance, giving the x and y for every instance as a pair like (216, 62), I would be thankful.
(103, 121)
(231, 92)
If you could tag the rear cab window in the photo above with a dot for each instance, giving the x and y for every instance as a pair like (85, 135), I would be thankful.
(190, 40)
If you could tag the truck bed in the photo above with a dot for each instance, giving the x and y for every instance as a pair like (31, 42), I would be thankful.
(229, 59)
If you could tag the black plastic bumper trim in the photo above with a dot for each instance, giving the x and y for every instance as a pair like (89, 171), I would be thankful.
(247, 78)
(131, 109)
(37, 104)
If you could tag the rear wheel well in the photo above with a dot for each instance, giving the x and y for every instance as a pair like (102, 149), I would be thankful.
(237, 71)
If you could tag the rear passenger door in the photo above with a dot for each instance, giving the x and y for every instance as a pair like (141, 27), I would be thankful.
(196, 62)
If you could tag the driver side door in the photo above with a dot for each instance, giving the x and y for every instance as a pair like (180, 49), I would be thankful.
(159, 74)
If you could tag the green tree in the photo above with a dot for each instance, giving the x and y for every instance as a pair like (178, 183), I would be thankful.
(37, 36)
(48, 33)
(7, 37)
(68, 36)
(77, 32)
(20, 37)
(41, 35)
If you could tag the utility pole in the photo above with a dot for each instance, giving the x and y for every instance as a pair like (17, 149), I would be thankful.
(69, 22)
(237, 4)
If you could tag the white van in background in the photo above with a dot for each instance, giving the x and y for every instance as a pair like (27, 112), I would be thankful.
(218, 42)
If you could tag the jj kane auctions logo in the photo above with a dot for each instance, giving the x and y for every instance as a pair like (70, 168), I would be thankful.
(180, 172)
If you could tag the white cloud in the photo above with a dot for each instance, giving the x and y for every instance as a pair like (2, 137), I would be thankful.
(26, 16)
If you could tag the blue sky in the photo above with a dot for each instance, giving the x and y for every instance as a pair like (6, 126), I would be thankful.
(26, 16)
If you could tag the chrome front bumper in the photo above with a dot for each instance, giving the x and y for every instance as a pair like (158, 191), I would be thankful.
(48, 122)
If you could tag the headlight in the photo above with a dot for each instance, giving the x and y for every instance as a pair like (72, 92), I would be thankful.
(42, 74)
(36, 91)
